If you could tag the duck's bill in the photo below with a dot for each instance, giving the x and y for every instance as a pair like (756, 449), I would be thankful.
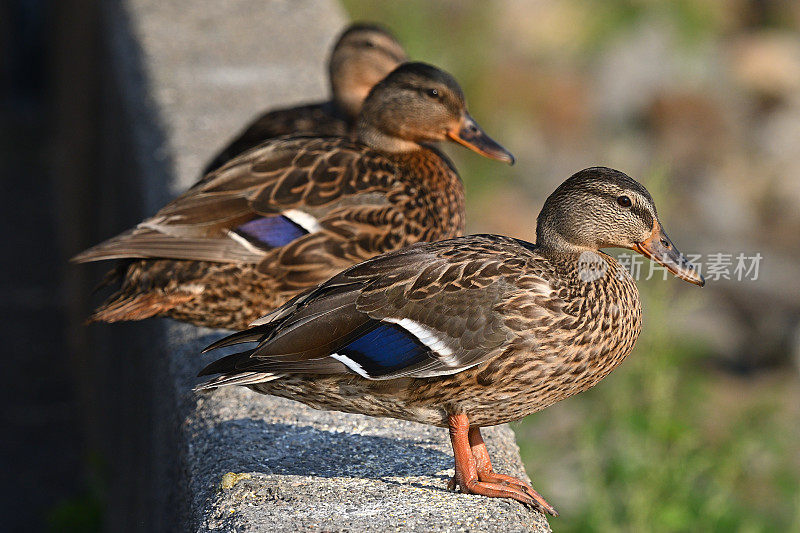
(659, 248)
(473, 137)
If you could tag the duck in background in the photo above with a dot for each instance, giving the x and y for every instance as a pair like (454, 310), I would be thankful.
(287, 215)
(362, 56)
(469, 332)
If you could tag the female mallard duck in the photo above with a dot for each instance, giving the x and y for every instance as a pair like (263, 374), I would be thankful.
(362, 56)
(469, 332)
(289, 214)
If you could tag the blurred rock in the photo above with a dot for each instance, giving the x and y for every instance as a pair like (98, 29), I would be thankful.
(767, 63)
(543, 29)
(689, 129)
(777, 135)
(633, 69)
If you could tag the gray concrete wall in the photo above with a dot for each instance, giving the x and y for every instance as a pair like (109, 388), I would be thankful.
(183, 77)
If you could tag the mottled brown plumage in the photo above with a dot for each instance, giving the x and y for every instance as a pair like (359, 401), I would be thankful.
(287, 215)
(362, 56)
(469, 332)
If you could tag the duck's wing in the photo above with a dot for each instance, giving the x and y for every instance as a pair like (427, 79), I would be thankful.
(428, 310)
(267, 198)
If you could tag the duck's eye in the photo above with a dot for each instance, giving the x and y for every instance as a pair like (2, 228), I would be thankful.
(433, 93)
(369, 44)
(624, 201)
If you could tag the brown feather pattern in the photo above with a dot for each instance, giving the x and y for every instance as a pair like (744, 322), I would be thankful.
(525, 331)
(365, 203)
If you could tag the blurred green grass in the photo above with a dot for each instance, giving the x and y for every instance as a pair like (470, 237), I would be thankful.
(668, 442)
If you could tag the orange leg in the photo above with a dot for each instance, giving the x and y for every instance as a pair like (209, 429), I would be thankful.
(474, 474)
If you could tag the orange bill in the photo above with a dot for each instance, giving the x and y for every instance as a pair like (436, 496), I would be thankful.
(659, 248)
(473, 137)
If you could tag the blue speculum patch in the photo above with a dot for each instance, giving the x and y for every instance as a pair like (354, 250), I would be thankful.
(272, 231)
(385, 349)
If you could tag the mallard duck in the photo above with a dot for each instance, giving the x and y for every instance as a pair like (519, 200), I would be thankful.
(285, 216)
(362, 56)
(472, 331)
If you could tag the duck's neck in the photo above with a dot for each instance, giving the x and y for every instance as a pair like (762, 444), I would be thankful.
(580, 267)
(436, 186)
(552, 244)
(382, 141)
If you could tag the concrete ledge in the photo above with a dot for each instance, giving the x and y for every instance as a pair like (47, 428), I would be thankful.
(188, 76)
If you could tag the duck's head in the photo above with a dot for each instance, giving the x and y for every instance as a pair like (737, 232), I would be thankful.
(363, 56)
(601, 207)
(419, 103)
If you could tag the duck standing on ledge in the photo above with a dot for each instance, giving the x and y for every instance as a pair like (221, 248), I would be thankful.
(285, 216)
(472, 331)
(362, 56)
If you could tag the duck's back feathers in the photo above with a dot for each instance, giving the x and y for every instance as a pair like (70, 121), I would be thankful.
(272, 196)
(427, 310)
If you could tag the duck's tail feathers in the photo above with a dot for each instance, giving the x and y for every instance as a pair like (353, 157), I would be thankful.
(108, 249)
(123, 307)
(240, 337)
(247, 378)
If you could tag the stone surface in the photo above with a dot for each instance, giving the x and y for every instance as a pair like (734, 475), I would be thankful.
(189, 78)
